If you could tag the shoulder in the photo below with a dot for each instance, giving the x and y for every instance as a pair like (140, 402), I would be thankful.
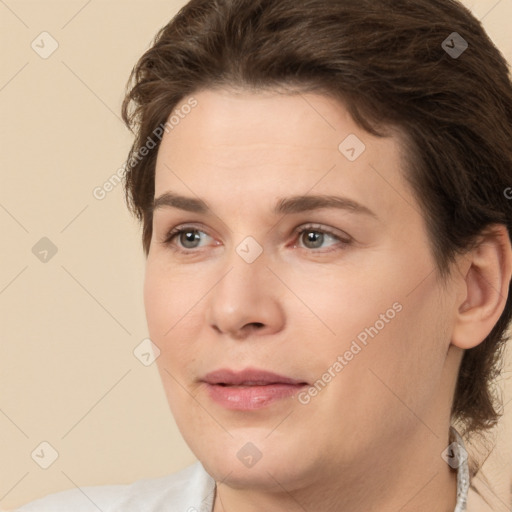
(190, 490)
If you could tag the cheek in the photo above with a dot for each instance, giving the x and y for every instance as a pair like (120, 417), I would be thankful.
(167, 298)
(407, 358)
(391, 325)
(173, 318)
(344, 304)
(397, 371)
(158, 304)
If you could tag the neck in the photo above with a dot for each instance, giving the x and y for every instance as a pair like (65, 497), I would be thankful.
(410, 477)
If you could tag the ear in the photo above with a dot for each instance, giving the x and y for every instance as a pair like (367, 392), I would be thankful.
(486, 278)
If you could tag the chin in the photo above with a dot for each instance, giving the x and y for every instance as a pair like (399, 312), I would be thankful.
(258, 464)
(268, 476)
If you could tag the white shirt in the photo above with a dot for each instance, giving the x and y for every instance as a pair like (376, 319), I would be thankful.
(190, 490)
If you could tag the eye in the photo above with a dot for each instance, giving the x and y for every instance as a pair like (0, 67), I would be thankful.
(188, 237)
(316, 237)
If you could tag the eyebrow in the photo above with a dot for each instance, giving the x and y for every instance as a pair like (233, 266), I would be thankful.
(286, 205)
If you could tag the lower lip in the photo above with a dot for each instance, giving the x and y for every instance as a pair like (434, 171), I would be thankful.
(251, 397)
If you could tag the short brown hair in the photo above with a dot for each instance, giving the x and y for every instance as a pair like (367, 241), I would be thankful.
(385, 59)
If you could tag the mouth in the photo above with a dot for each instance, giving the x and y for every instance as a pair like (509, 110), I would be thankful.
(249, 389)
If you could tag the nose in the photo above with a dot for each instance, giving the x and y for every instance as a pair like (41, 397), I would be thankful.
(245, 301)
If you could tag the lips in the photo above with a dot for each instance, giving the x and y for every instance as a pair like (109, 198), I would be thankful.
(249, 389)
(248, 377)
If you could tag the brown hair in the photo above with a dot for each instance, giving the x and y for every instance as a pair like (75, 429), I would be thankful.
(385, 60)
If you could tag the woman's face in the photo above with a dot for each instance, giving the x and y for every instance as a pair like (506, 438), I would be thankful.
(311, 261)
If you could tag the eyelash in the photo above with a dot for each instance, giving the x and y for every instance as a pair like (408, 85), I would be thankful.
(298, 232)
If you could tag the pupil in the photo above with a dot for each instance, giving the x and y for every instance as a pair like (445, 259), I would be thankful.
(190, 236)
(315, 237)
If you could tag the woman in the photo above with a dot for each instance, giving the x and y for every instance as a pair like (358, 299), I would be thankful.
(322, 187)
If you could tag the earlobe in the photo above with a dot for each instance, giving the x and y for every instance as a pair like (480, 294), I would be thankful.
(486, 281)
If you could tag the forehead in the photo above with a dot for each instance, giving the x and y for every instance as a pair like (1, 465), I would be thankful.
(254, 144)
(238, 121)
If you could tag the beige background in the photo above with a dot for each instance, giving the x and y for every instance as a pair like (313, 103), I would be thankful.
(68, 375)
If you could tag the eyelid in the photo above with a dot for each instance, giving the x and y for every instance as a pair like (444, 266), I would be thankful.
(335, 233)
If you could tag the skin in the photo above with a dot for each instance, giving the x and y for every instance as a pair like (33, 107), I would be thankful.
(372, 438)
